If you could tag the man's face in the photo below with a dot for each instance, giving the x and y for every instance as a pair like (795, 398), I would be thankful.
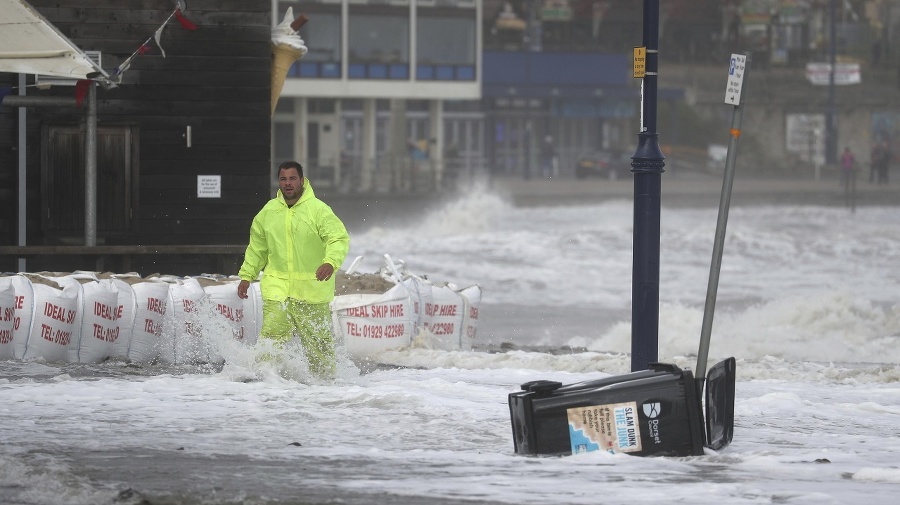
(291, 183)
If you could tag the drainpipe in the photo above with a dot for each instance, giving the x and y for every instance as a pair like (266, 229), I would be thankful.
(90, 168)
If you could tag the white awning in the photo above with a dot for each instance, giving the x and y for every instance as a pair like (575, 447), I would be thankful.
(29, 44)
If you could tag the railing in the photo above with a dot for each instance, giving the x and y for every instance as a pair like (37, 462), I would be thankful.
(390, 174)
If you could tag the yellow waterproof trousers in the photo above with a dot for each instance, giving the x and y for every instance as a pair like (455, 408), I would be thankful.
(311, 322)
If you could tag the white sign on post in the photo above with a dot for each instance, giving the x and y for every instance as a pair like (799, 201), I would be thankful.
(819, 74)
(805, 136)
(735, 79)
(209, 186)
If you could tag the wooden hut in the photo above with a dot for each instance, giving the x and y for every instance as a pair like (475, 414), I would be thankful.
(182, 141)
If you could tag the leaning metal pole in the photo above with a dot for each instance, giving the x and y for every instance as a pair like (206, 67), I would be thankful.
(715, 266)
(647, 165)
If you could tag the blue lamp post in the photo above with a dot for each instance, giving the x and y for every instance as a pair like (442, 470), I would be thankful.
(647, 165)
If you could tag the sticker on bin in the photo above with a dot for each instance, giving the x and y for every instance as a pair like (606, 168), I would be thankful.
(612, 428)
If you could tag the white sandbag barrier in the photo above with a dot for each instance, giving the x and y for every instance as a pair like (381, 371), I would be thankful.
(414, 312)
(88, 317)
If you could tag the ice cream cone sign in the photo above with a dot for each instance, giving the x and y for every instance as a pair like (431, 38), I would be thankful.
(287, 47)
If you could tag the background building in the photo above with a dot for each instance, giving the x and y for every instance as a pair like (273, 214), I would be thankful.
(479, 85)
(385, 88)
(484, 85)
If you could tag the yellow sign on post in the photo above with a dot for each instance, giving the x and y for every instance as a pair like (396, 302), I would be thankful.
(640, 62)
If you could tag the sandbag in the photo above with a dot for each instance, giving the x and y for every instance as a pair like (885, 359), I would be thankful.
(49, 318)
(151, 299)
(8, 319)
(183, 341)
(23, 313)
(366, 324)
(420, 293)
(443, 319)
(242, 317)
(472, 297)
(418, 288)
(98, 326)
(126, 311)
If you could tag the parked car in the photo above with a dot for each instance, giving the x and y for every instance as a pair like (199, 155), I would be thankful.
(607, 164)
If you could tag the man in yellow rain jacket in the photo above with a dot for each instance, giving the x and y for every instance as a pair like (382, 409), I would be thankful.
(298, 242)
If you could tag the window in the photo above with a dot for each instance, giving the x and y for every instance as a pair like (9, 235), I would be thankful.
(283, 148)
(322, 36)
(443, 40)
(379, 43)
(445, 44)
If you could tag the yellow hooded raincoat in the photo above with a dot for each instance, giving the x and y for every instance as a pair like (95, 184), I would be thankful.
(288, 244)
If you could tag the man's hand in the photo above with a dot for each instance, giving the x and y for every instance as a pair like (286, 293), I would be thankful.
(324, 272)
(242, 289)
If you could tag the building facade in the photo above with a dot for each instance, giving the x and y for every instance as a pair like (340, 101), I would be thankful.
(384, 89)
(485, 85)
(413, 94)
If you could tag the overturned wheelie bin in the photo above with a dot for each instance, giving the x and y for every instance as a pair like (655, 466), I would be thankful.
(654, 412)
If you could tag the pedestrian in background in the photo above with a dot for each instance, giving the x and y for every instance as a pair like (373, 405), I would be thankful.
(848, 177)
(548, 157)
(875, 161)
(884, 162)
